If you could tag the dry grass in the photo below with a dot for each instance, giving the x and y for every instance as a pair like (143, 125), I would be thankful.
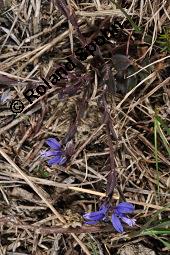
(41, 206)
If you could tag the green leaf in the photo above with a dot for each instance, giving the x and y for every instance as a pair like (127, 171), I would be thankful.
(167, 244)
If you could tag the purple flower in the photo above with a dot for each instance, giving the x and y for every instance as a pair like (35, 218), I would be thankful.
(118, 213)
(56, 155)
(94, 217)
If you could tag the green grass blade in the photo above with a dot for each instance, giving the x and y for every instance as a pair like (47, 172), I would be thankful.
(164, 140)
(163, 124)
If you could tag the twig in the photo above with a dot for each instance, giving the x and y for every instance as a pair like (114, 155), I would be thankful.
(32, 185)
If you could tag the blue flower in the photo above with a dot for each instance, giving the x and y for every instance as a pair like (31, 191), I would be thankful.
(56, 155)
(94, 217)
(118, 213)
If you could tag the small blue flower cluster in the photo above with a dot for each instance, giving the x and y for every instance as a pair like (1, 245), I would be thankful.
(56, 154)
(118, 213)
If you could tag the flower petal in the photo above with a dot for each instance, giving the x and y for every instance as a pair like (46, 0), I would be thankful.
(49, 153)
(130, 222)
(124, 207)
(54, 161)
(116, 223)
(94, 216)
(98, 215)
(53, 143)
(104, 208)
(62, 160)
